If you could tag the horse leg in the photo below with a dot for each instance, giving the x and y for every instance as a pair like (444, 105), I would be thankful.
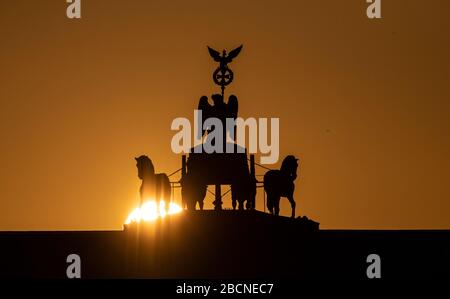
(159, 193)
(241, 204)
(250, 192)
(141, 194)
(277, 205)
(191, 205)
(233, 197)
(252, 201)
(166, 195)
(252, 197)
(200, 204)
(270, 202)
(292, 202)
(166, 206)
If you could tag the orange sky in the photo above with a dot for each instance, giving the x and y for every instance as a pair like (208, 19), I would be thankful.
(364, 103)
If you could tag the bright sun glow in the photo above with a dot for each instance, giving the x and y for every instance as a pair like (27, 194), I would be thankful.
(150, 211)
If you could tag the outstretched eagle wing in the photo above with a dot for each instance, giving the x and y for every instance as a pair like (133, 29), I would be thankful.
(232, 107)
(234, 53)
(232, 111)
(214, 54)
(205, 108)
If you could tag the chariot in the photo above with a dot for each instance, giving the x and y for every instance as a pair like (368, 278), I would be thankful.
(200, 169)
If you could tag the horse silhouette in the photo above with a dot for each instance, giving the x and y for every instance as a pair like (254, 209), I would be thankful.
(280, 183)
(244, 191)
(192, 192)
(154, 186)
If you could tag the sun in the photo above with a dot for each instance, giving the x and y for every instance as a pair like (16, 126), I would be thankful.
(150, 211)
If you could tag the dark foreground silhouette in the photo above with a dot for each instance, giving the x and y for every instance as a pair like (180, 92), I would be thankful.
(227, 244)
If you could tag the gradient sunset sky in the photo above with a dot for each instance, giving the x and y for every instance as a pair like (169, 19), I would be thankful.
(365, 104)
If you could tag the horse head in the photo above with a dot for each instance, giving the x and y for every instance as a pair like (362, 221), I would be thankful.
(145, 167)
(289, 166)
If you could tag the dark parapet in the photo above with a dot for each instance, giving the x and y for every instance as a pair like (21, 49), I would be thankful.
(214, 244)
(227, 244)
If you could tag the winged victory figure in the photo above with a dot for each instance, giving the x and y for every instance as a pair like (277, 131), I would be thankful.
(219, 109)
